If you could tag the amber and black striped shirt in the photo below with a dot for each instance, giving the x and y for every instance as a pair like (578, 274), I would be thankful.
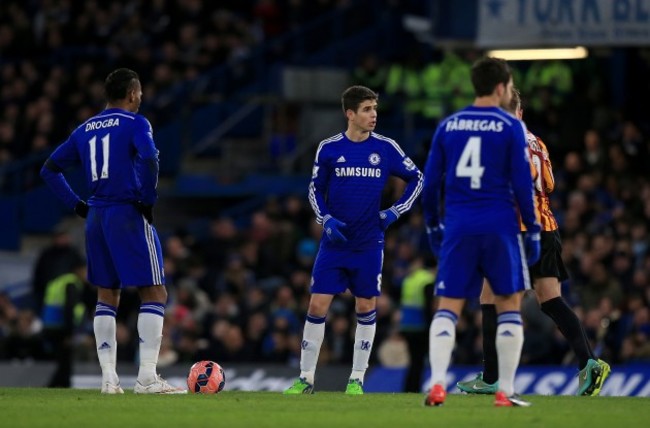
(542, 172)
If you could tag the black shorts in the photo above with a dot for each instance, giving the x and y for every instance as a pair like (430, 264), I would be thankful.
(550, 264)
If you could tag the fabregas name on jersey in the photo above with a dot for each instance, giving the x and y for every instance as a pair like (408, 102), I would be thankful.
(357, 172)
(474, 125)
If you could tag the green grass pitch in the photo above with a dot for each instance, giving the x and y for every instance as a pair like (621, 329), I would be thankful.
(39, 407)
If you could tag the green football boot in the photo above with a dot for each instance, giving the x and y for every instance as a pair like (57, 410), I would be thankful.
(300, 386)
(355, 387)
(478, 386)
(592, 377)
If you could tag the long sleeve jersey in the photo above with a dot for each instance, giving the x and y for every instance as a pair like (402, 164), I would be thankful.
(118, 155)
(347, 182)
(481, 155)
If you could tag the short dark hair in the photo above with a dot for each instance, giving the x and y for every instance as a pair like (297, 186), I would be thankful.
(355, 95)
(487, 73)
(515, 101)
(119, 83)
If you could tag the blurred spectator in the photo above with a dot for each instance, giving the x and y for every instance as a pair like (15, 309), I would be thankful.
(594, 153)
(63, 314)
(416, 307)
(24, 339)
(57, 258)
(370, 72)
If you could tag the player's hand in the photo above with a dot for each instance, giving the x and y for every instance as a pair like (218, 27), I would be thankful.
(333, 230)
(81, 209)
(532, 246)
(435, 235)
(388, 217)
(145, 210)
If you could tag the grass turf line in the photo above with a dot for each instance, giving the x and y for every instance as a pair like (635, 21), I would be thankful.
(41, 407)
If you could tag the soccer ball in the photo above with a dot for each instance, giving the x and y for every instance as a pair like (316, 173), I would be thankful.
(206, 377)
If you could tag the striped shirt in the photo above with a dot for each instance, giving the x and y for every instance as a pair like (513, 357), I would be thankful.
(542, 171)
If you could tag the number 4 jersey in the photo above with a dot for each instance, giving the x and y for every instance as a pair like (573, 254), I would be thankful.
(119, 159)
(482, 155)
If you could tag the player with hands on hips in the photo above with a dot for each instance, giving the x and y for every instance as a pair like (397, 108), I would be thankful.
(349, 174)
(116, 151)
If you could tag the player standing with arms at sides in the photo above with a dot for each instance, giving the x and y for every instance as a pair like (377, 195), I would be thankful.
(547, 275)
(482, 155)
(117, 153)
(348, 178)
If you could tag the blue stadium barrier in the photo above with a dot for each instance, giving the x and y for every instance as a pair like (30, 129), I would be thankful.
(625, 380)
(9, 217)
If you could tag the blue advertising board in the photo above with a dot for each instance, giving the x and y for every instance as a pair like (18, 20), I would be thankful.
(627, 380)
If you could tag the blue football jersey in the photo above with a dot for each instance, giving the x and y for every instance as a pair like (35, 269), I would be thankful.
(119, 158)
(348, 179)
(481, 154)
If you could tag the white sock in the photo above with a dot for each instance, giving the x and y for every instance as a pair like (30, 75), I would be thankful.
(104, 328)
(442, 338)
(150, 325)
(312, 339)
(364, 336)
(509, 341)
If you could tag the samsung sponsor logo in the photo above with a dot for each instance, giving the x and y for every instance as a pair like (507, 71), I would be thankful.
(474, 125)
(99, 124)
(357, 172)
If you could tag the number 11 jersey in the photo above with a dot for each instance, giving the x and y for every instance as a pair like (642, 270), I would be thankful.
(118, 156)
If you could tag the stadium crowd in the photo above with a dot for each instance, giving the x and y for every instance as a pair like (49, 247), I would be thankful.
(239, 289)
(73, 45)
(239, 292)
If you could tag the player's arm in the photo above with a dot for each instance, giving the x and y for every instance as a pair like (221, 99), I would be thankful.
(433, 173)
(64, 157)
(146, 162)
(522, 183)
(405, 169)
(318, 185)
(548, 180)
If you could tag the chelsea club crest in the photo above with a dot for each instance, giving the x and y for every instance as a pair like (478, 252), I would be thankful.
(374, 159)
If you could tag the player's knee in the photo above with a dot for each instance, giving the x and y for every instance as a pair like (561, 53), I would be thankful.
(547, 289)
(155, 293)
(108, 296)
(365, 305)
(318, 309)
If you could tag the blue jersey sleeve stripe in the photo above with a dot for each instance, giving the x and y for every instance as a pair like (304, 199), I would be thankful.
(407, 204)
(336, 137)
(314, 203)
(313, 199)
(391, 142)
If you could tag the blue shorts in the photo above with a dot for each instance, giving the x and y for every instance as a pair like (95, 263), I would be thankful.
(336, 270)
(466, 260)
(123, 248)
